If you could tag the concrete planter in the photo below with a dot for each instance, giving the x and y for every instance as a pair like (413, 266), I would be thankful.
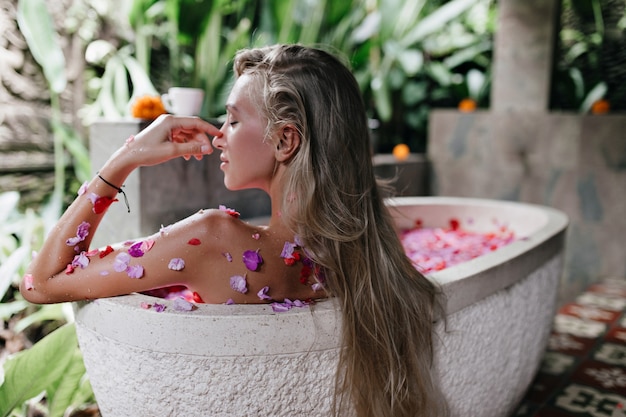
(246, 360)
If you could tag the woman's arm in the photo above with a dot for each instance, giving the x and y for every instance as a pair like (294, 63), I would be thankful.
(58, 272)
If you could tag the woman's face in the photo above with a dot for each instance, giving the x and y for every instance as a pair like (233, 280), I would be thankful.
(248, 161)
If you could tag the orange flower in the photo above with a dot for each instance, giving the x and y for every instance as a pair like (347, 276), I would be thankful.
(600, 107)
(401, 152)
(467, 105)
(148, 107)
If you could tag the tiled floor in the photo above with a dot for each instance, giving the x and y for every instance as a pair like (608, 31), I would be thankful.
(584, 369)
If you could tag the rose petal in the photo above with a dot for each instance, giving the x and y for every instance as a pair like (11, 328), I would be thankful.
(81, 233)
(228, 256)
(317, 286)
(256, 236)
(105, 252)
(239, 284)
(229, 302)
(159, 308)
(28, 282)
(103, 203)
(229, 211)
(145, 306)
(135, 271)
(176, 264)
(194, 242)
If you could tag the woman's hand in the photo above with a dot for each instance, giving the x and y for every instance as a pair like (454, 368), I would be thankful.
(169, 137)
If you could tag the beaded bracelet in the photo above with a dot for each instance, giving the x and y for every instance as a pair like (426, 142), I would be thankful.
(119, 190)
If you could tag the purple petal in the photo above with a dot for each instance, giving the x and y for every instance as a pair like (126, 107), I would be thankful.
(176, 264)
(83, 230)
(288, 249)
(120, 264)
(263, 293)
(252, 260)
(280, 307)
(180, 304)
(238, 283)
(317, 286)
(135, 271)
(228, 256)
(158, 307)
(80, 260)
(229, 302)
(136, 250)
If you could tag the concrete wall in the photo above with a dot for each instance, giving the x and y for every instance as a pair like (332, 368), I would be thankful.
(575, 163)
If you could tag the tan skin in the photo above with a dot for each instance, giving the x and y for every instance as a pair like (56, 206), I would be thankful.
(248, 161)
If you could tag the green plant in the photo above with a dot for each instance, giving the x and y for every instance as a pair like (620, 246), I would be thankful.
(417, 55)
(52, 368)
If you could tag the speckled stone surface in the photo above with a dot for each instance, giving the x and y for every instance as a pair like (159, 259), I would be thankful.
(246, 360)
(574, 163)
(486, 358)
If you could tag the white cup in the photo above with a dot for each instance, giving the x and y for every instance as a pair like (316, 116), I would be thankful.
(183, 101)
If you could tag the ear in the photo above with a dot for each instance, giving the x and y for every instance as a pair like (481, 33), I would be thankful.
(288, 144)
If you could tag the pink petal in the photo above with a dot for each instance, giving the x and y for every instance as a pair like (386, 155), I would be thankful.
(80, 260)
(180, 304)
(135, 271)
(176, 264)
(239, 284)
(83, 188)
(120, 264)
(145, 306)
(256, 236)
(28, 282)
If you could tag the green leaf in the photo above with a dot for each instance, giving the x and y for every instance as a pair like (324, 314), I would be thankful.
(436, 21)
(36, 25)
(11, 266)
(68, 387)
(595, 94)
(30, 372)
(46, 312)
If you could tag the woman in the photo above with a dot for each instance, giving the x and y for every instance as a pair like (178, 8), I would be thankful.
(296, 128)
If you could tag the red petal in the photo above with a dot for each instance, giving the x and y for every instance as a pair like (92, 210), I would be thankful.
(194, 241)
(197, 298)
(102, 203)
(106, 251)
(69, 269)
(454, 224)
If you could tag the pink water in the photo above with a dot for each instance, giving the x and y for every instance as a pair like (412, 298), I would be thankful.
(434, 249)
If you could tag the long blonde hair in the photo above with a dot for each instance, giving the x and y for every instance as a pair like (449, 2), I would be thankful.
(388, 307)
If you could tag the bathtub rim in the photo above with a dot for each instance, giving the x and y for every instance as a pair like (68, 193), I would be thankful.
(314, 327)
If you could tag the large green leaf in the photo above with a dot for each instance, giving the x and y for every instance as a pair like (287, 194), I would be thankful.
(69, 387)
(30, 372)
(36, 25)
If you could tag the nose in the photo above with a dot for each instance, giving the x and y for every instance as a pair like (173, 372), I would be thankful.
(218, 142)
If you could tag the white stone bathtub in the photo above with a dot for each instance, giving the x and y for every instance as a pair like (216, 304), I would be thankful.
(243, 360)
